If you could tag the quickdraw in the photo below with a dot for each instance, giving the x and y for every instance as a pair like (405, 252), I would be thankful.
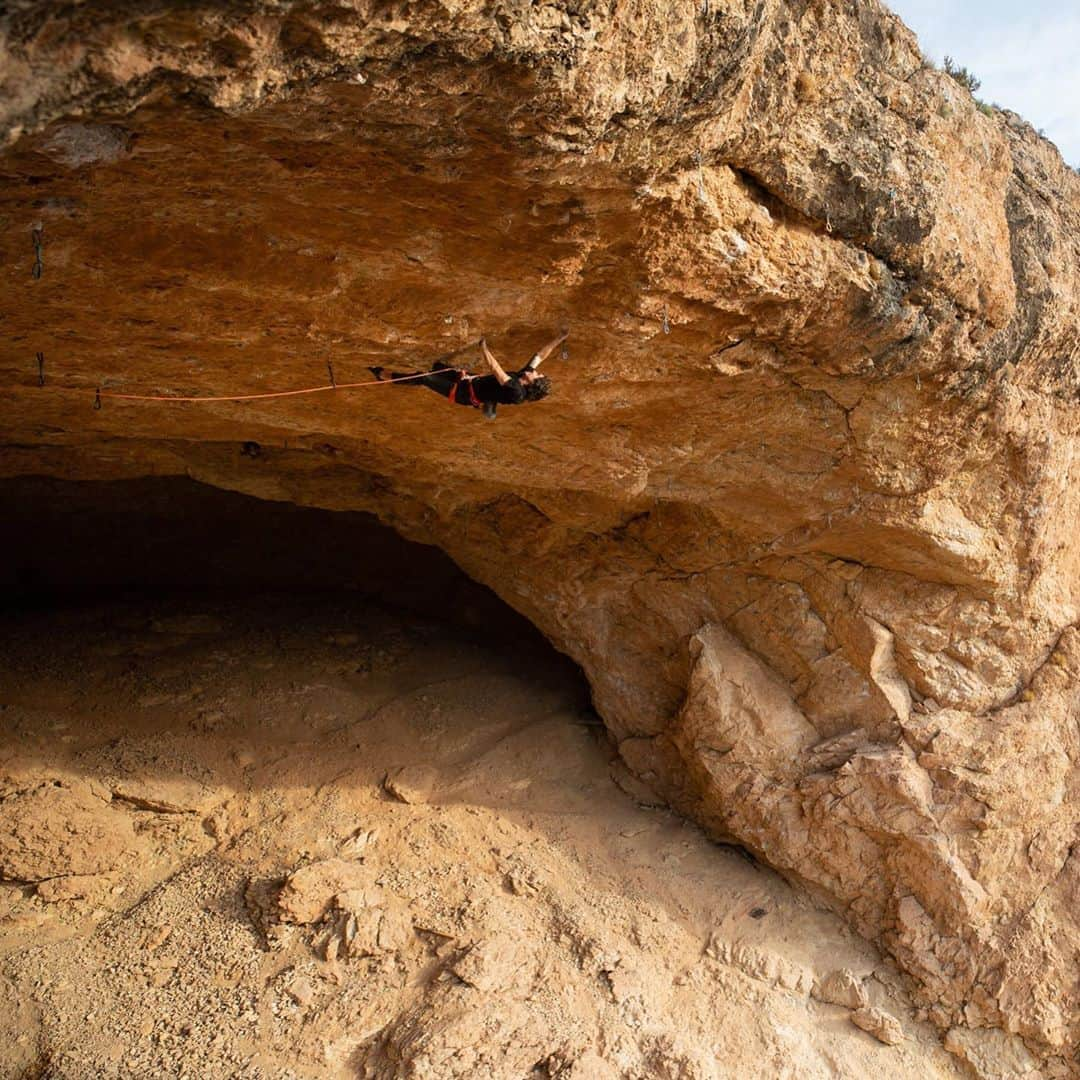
(37, 234)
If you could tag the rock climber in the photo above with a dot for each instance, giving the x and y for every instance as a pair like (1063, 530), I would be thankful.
(485, 392)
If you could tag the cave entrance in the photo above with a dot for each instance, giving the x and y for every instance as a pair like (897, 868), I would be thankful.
(91, 541)
(137, 559)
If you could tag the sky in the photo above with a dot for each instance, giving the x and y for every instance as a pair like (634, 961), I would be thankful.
(1026, 52)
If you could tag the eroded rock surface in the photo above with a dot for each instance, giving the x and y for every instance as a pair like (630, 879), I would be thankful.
(803, 503)
(526, 919)
(54, 827)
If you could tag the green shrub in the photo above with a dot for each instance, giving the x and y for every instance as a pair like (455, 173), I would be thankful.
(961, 74)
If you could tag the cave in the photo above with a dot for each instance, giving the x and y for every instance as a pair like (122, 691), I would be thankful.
(172, 543)
(261, 752)
(78, 542)
(793, 539)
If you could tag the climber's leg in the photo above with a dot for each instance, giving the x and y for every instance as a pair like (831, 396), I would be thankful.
(441, 381)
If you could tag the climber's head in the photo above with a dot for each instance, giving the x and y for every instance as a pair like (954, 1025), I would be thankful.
(535, 386)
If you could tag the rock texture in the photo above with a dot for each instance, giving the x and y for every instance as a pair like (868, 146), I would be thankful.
(803, 503)
(527, 919)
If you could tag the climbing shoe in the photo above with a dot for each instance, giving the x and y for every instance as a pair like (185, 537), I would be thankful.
(377, 372)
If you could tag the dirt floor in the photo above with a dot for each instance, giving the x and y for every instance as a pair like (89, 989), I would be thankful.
(309, 837)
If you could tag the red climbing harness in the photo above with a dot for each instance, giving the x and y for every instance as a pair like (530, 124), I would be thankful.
(464, 377)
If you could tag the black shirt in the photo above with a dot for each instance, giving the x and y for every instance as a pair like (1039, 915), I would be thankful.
(488, 391)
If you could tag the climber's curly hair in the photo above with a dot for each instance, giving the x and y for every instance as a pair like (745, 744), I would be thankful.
(537, 389)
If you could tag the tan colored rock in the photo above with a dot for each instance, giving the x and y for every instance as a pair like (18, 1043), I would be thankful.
(309, 892)
(73, 887)
(360, 932)
(355, 901)
(165, 794)
(492, 965)
(882, 1025)
(158, 936)
(411, 783)
(590, 1066)
(371, 922)
(597, 973)
(992, 1054)
(633, 785)
(841, 987)
(302, 991)
(803, 503)
(762, 964)
(58, 828)
(395, 927)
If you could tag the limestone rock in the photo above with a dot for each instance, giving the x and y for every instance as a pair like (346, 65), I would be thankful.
(762, 964)
(308, 893)
(633, 785)
(411, 783)
(993, 1054)
(356, 917)
(589, 1066)
(882, 1025)
(302, 991)
(368, 923)
(58, 828)
(841, 987)
(802, 503)
(492, 965)
(72, 887)
(165, 794)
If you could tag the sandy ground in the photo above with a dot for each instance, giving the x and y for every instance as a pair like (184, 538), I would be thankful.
(310, 838)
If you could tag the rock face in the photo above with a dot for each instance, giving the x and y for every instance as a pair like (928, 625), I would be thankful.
(58, 829)
(525, 919)
(802, 503)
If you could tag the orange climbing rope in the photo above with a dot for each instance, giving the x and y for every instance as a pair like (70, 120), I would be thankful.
(257, 397)
(333, 384)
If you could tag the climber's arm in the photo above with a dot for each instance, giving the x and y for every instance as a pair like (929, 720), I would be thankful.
(496, 370)
(547, 350)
